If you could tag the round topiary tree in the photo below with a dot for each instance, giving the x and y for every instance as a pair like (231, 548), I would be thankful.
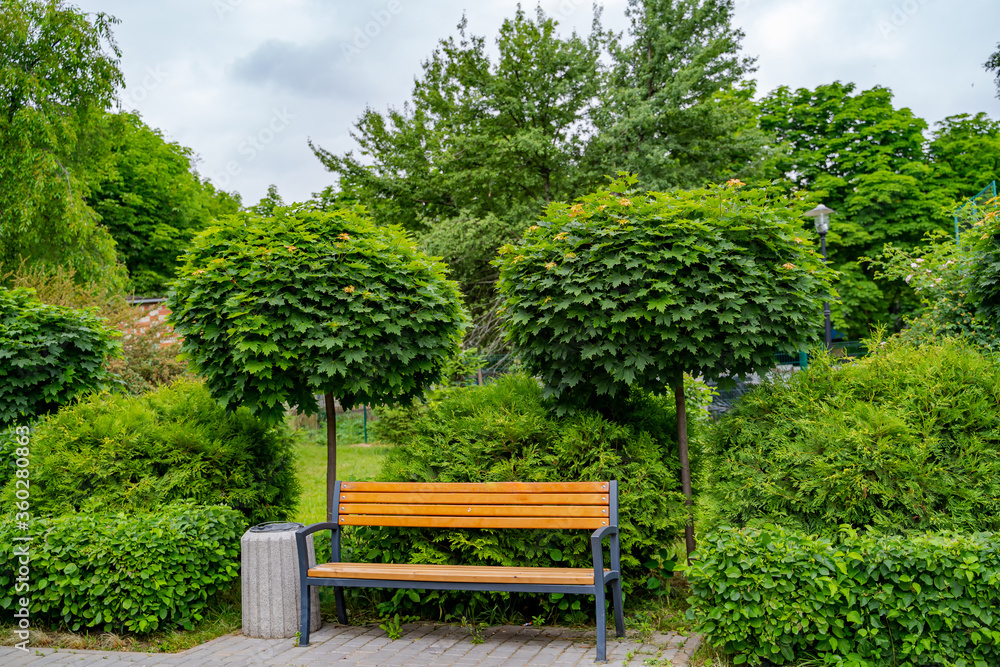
(278, 306)
(626, 289)
(49, 355)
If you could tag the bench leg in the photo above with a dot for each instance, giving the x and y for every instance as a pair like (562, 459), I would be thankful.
(616, 597)
(304, 617)
(602, 623)
(338, 594)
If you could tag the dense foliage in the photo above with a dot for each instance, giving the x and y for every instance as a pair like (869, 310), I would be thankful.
(907, 437)
(674, 107)
(113, 452)
(123, 573)
(275, 308)
(486, 141)
(774, 596)
(49, 355)
(58, 74)
(504, 431)
(630, 289)
(871, 162)
(152, 203)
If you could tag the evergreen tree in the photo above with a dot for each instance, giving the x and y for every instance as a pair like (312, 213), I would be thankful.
(675, 110)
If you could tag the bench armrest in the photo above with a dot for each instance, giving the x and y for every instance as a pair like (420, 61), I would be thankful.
(309, 530)
(603, 532)
(597, 550)
(300, 542)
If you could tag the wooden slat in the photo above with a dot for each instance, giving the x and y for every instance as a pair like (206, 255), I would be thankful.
(561, 576)
(478, 510)
(485, 487)
(475, 498)
(471, 522)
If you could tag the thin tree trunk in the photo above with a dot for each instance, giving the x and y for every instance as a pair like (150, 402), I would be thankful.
(331, 453)
(682, 454)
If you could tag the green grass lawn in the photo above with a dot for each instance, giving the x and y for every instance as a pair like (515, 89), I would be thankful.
(354, 462)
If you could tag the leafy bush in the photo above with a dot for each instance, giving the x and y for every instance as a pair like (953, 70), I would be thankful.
(504, 431)
(908, 437)
(946, 279)
(120, 573)
(146, 362)
(111, 452)
(775, 595)
(8, 454)
(49, 355)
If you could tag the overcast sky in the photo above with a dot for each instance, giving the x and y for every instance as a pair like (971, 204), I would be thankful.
(245, 83)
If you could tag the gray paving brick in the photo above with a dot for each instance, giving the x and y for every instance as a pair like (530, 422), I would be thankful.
(421, 645)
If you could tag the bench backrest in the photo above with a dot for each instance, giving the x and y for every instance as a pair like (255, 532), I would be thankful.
(549, 505)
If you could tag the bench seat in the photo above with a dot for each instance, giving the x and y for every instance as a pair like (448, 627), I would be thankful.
(559, 576)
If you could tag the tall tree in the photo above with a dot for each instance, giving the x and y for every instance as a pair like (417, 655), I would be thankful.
(484, 144)
(965, 154)
(993, 65)
(152, 202)
(481, 136)
(58, 74)
(866, 159)
(673, 110)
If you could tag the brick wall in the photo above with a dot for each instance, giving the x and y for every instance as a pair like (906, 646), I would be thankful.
(147, 313)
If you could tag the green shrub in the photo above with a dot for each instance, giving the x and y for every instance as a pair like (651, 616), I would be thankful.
(775, 595)
(504, 431)
(906, 438)
(120, 573)
(49, 355)
(8, 455)
(112, 452)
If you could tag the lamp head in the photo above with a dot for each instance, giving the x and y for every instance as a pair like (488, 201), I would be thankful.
(821, 218)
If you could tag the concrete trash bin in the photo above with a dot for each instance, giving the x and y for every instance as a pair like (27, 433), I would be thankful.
(270, 573)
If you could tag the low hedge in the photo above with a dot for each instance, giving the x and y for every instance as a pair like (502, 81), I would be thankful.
(772, 595)
(134, 454)
(120, 573)
(907, 438)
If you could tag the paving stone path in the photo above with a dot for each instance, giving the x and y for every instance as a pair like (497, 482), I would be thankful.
(421, 644)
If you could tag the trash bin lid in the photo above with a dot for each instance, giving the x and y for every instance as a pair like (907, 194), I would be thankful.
(275, 527)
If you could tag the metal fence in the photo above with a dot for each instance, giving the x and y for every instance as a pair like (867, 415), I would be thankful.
(969, 213)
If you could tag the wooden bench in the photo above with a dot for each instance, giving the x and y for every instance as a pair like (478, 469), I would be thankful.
(502, 505)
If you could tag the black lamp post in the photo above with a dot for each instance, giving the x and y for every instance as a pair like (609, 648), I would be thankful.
(821, 217)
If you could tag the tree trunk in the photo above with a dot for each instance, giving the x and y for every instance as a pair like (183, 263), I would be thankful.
(331, 453)
(682, 454)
